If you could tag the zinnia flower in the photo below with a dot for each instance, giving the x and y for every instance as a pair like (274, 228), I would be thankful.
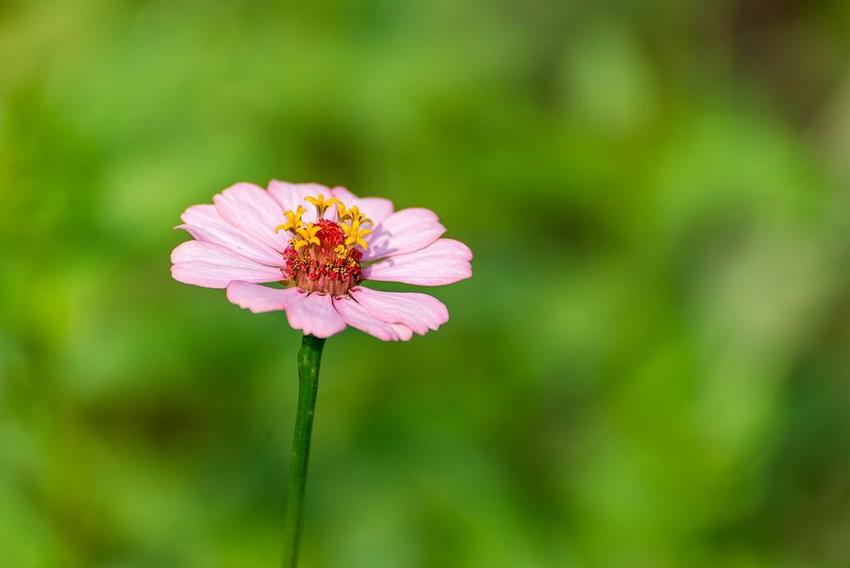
(321, 244)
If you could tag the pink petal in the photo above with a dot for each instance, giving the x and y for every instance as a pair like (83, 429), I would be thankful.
(291, 195)
(205, 224)
(375, 208)
(419, 312)
(403, 232)
(258, 298)
(404, 332)
(356, 316)
(250, 209)
(214, 266)
(314, 314)
(443, 262)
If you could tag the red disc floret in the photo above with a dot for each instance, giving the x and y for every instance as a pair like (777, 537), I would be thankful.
(330, 233)
(331, 267)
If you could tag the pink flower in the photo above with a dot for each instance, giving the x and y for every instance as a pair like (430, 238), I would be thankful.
(321, 244)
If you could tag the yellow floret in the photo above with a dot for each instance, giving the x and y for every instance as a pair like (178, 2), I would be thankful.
(321, 203)
(354, 233)
(293, 220)
(354, 214)
(308, 236)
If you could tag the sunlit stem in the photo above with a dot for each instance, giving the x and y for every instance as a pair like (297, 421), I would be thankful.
(309, 358)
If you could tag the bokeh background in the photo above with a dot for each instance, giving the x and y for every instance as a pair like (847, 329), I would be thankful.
(649, 368)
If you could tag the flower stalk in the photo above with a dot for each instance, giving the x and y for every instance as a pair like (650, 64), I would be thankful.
(309, 358)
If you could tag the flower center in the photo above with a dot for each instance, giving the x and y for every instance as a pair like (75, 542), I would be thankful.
(324, 256)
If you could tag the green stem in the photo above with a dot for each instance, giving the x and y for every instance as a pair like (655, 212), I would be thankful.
(309, 358)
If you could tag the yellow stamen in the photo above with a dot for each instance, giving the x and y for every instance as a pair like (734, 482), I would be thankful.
(293, 220)
(308, 236)
(354, 234)
(321, 204)
(341, 212)
(354, 214)
(341, 251)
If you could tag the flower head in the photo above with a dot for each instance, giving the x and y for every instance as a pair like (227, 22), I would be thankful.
(252, 236)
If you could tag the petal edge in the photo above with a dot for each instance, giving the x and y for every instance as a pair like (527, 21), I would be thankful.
(418, 312)
(213, 266)
(314, 314)
(259, 299)
(445, 261)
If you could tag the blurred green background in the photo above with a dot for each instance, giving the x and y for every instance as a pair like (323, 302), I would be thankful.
(649, 367)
